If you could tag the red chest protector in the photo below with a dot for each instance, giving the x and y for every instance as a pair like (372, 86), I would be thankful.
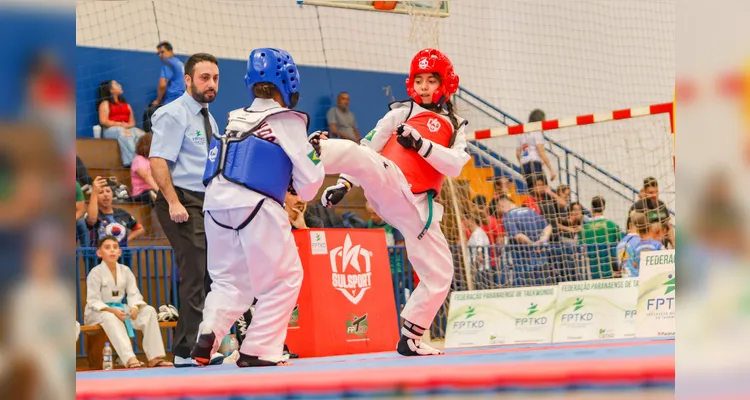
(418, 172)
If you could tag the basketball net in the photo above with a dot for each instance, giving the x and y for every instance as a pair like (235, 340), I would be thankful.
(424, 28)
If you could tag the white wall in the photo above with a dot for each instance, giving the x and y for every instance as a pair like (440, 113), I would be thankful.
(567, 57)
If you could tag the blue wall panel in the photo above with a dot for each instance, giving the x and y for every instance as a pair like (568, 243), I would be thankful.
(138, 72)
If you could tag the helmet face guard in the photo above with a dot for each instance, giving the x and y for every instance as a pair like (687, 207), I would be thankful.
(274, 66)
(433, 61)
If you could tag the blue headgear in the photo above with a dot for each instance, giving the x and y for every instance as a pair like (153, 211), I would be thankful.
(273, 66)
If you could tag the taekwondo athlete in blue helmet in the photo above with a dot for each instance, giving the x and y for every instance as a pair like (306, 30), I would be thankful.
(264, 152)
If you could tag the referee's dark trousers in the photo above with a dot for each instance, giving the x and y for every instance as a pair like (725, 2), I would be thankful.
(188, 241)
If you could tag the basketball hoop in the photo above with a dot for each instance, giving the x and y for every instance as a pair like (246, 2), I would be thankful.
(424, 30)
(384, 5)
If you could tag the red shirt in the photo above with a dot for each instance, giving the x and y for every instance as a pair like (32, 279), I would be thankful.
(119, 112)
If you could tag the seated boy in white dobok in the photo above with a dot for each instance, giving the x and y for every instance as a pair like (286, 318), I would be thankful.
(106, 285)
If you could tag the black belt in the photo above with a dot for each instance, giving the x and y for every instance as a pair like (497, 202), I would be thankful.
(244, 223)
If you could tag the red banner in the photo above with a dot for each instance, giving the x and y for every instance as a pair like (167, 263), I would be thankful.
(346, 305)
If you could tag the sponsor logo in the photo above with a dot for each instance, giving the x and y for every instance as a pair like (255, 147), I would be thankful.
(318, 242)
(532, 309)
(433, 124)
(423, 63)
(578, 304)
(198, 138)
(470, 312)
(669, 284)
(357, 326)
(606, 334)
(350, 270)
(213, 153)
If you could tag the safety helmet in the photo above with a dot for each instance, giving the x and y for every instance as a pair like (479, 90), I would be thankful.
(433, 61)
(274, 66)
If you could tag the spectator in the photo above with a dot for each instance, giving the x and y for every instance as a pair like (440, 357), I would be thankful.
(652, 235)
(655, 209)
(51, 97)
(82, 175)
(106, 286)
(104, 220)
(171, 81)
(392, 238)
(326, 214)
(571, 224)
(478, 242)
(82, 231)
(296, 209)
(530, 152)
(117, 120)
(527, 231)
(144, 185)
(600, 238)
(487, 220)
(626, 258)
(544, 202)
(503, 187)
(341, 121)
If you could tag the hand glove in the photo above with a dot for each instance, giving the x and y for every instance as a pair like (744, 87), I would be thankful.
(315, 139)
(332, 195)
(411, 139)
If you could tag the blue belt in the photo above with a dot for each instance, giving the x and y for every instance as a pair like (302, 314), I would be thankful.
(128, 324)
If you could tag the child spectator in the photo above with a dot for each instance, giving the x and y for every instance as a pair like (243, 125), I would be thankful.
(626, 258)
(117, 120)
(478, 242)
(106, 286)
(144, 185)
(652, 236)
(104, 220)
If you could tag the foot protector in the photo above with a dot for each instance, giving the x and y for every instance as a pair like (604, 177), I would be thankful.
(415, 347)
(201, 352)
(254, 361)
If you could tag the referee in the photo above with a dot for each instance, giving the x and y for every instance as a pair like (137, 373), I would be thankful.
(182, 131)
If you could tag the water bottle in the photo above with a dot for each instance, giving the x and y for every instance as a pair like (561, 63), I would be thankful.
(107, 357)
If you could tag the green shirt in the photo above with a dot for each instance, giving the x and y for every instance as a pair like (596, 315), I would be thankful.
(600, 237)
(79, 193)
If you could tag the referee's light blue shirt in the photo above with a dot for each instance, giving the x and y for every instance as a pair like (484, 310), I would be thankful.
(180, 138)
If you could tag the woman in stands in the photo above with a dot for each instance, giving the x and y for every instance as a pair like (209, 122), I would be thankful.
(144, 187)
(117, 120)
(106, 286)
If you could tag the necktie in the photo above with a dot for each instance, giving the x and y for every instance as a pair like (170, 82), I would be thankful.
(207, 126)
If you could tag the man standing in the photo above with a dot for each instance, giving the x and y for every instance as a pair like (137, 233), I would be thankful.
(341, 121)
(654, 209)
(600, 237)
(179, 150)
(171, 81)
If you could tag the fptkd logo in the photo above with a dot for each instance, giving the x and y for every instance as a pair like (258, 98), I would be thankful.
(348, 275)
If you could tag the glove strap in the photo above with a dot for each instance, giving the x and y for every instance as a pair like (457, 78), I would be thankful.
(346, 183)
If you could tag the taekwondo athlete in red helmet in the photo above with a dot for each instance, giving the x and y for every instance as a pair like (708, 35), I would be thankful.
(401, 165)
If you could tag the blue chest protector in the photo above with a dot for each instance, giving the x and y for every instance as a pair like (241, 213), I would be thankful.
(252, 162)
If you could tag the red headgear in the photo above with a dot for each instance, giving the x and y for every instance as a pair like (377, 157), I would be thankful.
(433, 61)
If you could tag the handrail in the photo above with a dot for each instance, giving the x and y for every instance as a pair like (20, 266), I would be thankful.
(552, 142)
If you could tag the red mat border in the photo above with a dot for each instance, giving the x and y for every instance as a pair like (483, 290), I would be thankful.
(531, 375)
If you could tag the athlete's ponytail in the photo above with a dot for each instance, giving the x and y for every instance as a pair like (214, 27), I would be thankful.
(451, 113)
